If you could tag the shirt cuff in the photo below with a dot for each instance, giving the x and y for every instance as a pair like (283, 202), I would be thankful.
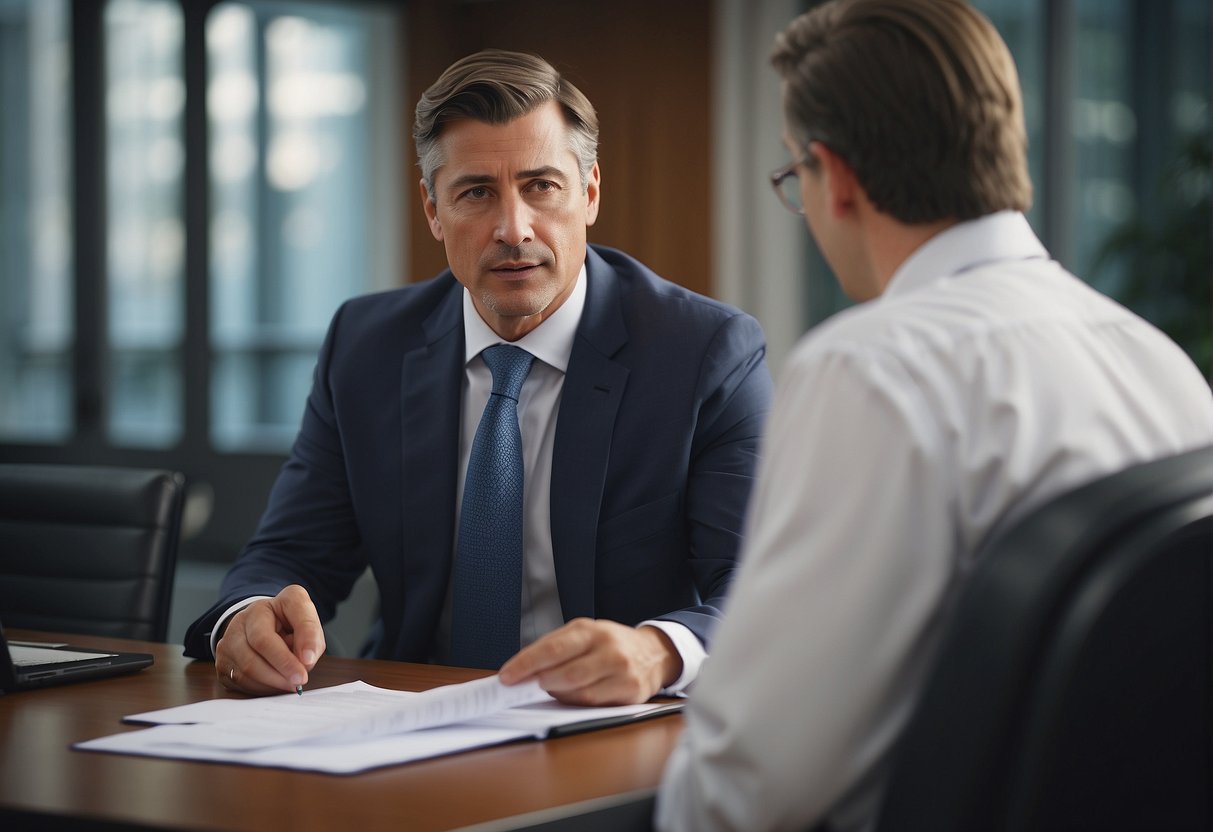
(689, 648)
(232, 610)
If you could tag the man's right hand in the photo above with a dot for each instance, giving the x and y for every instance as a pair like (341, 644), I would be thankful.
(270, 645)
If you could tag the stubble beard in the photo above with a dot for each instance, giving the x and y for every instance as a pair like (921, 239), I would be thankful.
(520, 307)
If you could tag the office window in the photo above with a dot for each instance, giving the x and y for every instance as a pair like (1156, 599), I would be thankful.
(1133, 79)
(294, 230)
(1147, 186)
(36, 298)
(188, 189)
(144, 109)
(1105, 134)
(1022, 25)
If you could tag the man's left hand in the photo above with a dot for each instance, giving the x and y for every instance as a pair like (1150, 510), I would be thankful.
(590, 662)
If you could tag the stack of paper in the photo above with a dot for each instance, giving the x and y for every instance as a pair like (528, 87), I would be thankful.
(356, 726)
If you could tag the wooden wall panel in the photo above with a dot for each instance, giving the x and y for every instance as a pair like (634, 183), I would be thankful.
(646, 67)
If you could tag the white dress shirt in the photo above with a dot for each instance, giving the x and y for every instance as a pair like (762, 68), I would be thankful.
(985, 380)
(538, 408)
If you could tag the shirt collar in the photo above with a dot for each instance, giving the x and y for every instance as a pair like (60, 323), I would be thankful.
(551, 342)
(1004, 235)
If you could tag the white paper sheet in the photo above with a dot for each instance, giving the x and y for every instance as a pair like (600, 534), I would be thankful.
(326, 729)
(343, 714)
(345, 758)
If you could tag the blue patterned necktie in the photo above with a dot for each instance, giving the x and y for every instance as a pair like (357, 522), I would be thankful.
(487, 594)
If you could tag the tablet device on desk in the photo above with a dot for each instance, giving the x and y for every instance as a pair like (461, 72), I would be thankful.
(30, 664)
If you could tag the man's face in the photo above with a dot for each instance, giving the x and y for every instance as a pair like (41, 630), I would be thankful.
(834, 229)
(510, 209)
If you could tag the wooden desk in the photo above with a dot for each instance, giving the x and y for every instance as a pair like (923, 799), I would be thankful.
(42, 780)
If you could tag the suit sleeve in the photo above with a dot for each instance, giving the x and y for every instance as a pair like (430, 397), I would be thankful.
(308, 534)
(734, 398)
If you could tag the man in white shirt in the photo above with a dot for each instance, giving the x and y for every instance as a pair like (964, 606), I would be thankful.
(637, 423)
(975, 380)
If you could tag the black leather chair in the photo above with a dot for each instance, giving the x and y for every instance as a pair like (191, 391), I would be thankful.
(88, 549)
(1074, 683)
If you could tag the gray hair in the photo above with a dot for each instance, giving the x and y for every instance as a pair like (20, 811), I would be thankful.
(496, 87)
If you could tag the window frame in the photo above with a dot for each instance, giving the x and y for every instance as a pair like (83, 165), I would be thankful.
(229, 485)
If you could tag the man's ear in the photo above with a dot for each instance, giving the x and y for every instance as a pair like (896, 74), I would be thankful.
(840, 181)
(593, 194)
(431, 211)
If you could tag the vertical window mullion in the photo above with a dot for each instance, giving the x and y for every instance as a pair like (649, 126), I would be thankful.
(196, 210)
(89, 167)
(1057, 190)
(1149, 75)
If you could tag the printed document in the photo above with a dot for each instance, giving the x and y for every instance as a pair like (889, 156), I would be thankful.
(356, 726)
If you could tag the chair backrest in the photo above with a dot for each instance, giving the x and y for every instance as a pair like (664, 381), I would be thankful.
(89, 549)
(1073, 687)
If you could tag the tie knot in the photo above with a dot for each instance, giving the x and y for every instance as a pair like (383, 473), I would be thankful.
(509, 366)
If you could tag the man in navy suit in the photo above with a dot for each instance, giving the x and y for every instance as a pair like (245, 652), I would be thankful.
(639, 420)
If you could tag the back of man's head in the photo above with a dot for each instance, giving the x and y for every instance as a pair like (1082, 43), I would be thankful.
(497, 86)
(920, 97)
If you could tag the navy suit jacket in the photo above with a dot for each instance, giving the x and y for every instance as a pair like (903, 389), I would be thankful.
(656, 443)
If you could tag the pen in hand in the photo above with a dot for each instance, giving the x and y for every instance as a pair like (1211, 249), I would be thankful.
(299, 689)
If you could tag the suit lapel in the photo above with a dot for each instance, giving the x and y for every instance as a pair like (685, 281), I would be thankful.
(589, 402)
(431, 379)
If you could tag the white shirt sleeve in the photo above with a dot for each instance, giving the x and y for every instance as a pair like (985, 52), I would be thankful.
(689, 648)
(232, 610)
(843, 570)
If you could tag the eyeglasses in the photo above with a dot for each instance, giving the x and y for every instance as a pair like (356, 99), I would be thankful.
(786, 182)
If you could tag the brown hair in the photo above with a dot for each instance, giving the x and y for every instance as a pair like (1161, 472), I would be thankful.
(920, 97)
(496, 86)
